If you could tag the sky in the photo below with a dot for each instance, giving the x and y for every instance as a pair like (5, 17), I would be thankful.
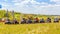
(46, 7)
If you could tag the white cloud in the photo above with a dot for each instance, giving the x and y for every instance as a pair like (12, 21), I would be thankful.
(55, 0)
(31, 6)
(34, 2)
(15, 1)
(40, 8)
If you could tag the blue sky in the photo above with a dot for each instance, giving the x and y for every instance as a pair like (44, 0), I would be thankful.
(47, 7)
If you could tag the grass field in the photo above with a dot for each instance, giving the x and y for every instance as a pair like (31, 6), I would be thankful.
(46, 28)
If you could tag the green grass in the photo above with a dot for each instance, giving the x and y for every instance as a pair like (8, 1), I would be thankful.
(46, 28)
